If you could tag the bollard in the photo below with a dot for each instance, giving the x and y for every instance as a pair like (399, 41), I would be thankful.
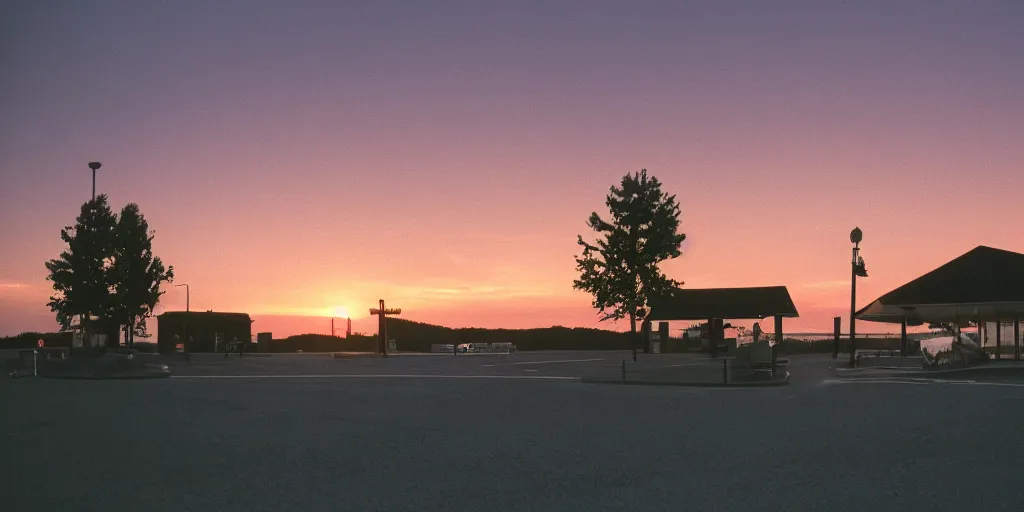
(725, 371)
(623, 370)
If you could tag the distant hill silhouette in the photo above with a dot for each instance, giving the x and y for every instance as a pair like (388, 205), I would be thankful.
(412, 336)
(418, 337)
(28, 340)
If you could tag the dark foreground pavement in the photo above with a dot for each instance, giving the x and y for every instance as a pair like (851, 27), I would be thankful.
(420, 443)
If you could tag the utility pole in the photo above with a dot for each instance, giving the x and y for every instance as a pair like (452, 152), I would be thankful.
(857, 269)
(94, 166)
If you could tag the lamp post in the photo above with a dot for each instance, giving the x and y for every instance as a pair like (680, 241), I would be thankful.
(184, 344)
(857, 269)
(94, 166)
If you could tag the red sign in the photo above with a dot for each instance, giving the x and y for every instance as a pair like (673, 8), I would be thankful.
(40, 343)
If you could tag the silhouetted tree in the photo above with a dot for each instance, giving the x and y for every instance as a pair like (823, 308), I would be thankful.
(135, 274)
(108, 275)
(621, 270)
(79, 275)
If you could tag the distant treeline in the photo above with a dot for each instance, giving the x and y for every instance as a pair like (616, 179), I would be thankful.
(31, 339)
(324, 343)
(412, 336)
(418, 337)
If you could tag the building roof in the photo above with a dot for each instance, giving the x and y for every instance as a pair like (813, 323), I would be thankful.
(980, 283)
(211, 314)
(732, 303)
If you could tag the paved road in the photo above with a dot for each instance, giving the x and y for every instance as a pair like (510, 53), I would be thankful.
(415, 443)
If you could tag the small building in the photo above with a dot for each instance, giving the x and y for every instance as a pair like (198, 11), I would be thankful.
(207, 331)
(715, 305)
(983, 287)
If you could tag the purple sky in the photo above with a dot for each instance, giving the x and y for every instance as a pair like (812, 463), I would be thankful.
(304, 158)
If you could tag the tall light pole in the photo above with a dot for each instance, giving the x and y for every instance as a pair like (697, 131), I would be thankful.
(184, 344)
(857, 269)
(94, 166)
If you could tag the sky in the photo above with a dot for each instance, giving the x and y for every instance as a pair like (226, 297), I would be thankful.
(299, 160)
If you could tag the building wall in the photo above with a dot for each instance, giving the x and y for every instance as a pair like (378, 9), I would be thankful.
(987, 333)
(202, 328)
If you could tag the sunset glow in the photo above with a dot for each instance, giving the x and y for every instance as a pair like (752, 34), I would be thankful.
(446, 163)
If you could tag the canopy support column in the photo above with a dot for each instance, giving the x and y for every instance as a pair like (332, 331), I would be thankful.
(999, 338)
(778, 342)
(712, 339)
(903, 338)
(1016, 338)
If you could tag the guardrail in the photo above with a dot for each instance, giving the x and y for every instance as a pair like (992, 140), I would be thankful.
(712, 371)
(474, 348)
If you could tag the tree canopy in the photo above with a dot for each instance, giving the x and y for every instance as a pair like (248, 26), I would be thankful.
(135, 274)
(79, 274)
(621, 269)
(108, 275)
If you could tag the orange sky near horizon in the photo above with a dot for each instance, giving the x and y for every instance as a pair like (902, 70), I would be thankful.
(293, 162)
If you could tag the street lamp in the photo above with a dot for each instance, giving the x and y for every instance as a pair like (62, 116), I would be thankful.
(184, 343)
(94, 166)
(857, 269)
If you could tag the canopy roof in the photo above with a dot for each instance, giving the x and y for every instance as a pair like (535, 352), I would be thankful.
(736, 303)
(983, 284)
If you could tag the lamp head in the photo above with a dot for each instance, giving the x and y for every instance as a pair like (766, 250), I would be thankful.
(856, 235)
(95, 165)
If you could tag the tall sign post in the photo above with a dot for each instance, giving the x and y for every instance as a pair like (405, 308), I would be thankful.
(858, 269)
(94, 166)
(382, 330)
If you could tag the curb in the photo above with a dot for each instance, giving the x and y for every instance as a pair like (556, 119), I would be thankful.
(754, 384)
(970, 370)
(123, 377)
(874, 372)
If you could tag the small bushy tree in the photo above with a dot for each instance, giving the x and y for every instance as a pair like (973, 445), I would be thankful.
(621, 269)
(135, 274)
(108, 275)
(79, 274)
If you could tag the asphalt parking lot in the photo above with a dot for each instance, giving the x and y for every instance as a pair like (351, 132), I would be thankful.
(501, 432)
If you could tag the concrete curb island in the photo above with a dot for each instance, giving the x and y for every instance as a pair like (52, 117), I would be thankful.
(106, 367)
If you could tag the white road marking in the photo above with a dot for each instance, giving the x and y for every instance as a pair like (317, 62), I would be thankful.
(559, 361)
(920, 381)
(381, 376)
(529, 370)
(872, 381)
(975, 383)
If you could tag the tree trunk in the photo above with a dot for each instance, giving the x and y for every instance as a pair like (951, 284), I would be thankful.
(645, 336)
(632, 333)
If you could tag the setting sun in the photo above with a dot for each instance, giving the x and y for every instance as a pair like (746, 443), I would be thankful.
(340, 311)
